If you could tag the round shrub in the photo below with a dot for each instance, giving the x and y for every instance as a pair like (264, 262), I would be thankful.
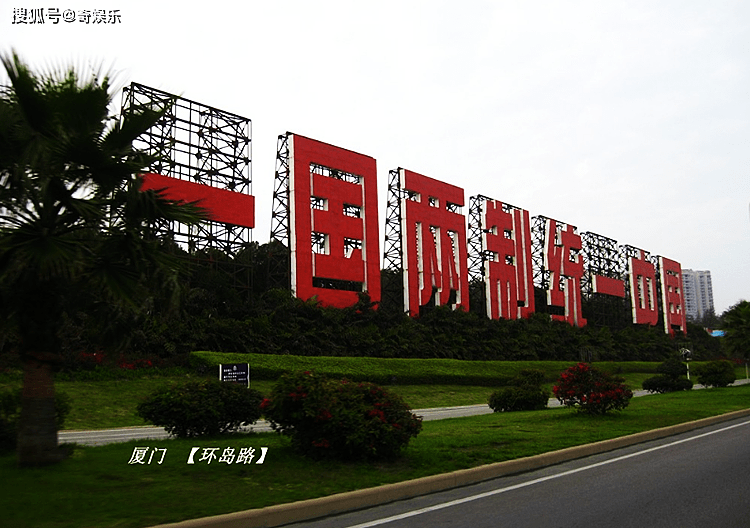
(672, 368)
(663, 383)
(716, 374)
(526, 394)
(328, 418)
(519, 399)
(590, 390)
(201, 408)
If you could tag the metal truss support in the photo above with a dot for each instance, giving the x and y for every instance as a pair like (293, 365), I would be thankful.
(279, 272)
(478, 252)
(602, 257)
(477, 242)
(392, 282)
(204, 145)
(538, 237)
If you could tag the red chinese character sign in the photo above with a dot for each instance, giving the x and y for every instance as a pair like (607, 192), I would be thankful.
(672, 302)
(509, 282)
(642, 278)
(433, 234)
(563, 261)
(333, 214)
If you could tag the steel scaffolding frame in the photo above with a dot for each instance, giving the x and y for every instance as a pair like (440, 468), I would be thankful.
(205, 145)
(201, 144)
(279, 271)
(392, 278)
(602, 257)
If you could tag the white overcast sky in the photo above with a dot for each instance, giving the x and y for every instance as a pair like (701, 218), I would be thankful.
(630, 119)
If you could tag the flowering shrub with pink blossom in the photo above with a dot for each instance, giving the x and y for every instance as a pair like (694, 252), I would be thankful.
(328, 418)
(590, 390)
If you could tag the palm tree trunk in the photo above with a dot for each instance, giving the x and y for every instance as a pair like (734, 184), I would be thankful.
(37, 431)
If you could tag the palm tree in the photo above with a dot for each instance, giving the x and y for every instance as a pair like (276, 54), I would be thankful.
(72, 218)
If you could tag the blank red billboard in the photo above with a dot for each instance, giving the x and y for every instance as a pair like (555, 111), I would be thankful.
(333, 223)
(433, 243)
(222, 205)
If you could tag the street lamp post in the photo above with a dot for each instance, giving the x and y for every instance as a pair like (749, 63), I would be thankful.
(686, 357)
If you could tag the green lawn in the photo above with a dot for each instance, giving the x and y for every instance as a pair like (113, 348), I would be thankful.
(97, 487)
(112, 403)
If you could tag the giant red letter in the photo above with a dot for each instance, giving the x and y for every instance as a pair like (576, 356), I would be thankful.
(672, 303)
(509, 283)
(642, 277)
(433, 235)
(333, 223)
(562, 258)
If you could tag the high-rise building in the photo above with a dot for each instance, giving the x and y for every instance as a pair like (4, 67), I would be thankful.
(697, 292)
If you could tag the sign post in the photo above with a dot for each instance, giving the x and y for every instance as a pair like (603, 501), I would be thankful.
(235, 373)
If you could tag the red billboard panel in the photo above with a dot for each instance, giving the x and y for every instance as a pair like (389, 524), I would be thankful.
(608, 286)
(643, 289)
(222, 205)
(433, 234)
(333, 223)
(563, 259)
(509, 281)
(672, 302)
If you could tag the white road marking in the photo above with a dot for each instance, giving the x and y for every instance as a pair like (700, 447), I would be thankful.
(456, 502)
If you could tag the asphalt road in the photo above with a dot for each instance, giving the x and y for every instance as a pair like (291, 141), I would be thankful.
(696, 479)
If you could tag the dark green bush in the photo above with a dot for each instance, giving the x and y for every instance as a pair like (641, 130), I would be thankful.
(10, 414)
(716, 374)
(201, 408)
(519, 399)
(663, 383)
(328, 418)
(673, 368)
(670, 379)
(525, 394)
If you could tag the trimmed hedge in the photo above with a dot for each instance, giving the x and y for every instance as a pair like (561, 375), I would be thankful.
(526, 394)
(199, 408)
(394, 371)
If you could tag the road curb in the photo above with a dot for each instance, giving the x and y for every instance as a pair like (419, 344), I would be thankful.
(355, 500)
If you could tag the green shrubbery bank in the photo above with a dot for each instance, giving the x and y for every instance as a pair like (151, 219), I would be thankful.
(398, 371)
(276, 324)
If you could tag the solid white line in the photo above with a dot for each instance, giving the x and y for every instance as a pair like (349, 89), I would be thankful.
(456, 502)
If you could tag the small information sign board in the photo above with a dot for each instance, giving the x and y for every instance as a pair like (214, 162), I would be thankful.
(235, 373)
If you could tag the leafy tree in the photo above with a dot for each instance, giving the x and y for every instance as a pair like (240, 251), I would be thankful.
(72, 219)
(709, 319)
(737, 326)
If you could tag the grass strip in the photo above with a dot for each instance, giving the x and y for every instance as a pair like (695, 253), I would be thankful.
(109, 403)
(399, 371)
(97, 487)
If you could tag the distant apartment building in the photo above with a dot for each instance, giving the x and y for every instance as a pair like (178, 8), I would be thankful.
(697, 293)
